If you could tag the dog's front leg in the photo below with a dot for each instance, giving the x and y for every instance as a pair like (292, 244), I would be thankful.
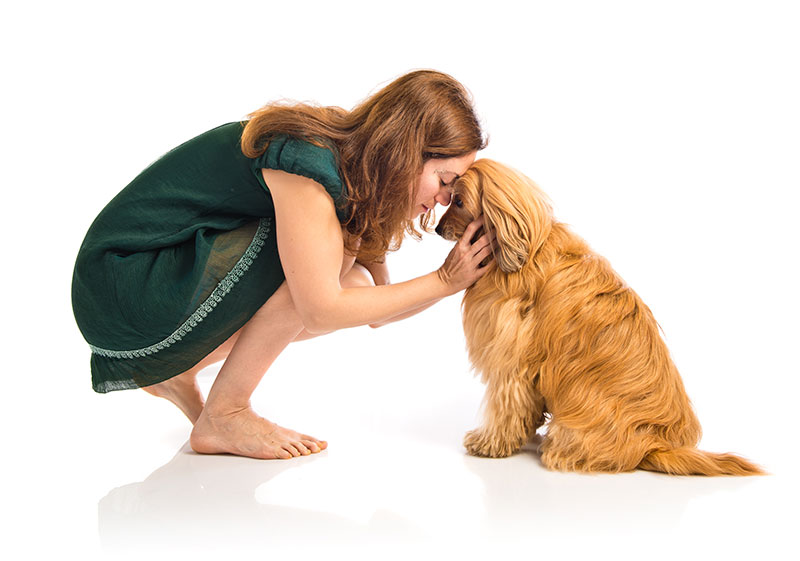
(514, 409)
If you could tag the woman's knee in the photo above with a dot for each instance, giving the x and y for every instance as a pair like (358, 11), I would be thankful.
(357, 276)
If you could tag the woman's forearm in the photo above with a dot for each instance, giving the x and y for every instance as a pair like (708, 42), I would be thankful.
(379, 272)
(403, 316)
(352, 307)
(375, 305)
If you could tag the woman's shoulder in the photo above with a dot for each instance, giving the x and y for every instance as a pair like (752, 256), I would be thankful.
(295, 155)
(301, 157)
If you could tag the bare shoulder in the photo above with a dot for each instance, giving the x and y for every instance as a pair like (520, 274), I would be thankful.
(303, 208)
(283, 184)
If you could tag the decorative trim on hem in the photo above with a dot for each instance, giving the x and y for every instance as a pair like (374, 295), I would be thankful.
(115, 385)
(223, 287)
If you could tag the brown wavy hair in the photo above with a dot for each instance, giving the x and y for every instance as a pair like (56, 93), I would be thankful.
(381, 146)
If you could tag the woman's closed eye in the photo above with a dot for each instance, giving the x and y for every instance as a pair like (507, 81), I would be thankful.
(446, 178)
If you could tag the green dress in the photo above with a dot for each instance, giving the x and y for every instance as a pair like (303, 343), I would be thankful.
(185, 255)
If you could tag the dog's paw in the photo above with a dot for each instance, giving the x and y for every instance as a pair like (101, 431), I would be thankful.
(479, 443)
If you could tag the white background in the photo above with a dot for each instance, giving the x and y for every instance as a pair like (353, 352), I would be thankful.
(666, 133)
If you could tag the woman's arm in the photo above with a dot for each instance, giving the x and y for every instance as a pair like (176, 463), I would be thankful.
(311, 250)
(380, 275)
(403, 316)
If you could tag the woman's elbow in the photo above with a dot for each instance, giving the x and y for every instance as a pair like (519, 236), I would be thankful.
(322, 319)
(317, 325)
(317, 316)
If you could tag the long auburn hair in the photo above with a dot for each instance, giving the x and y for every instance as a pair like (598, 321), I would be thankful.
(381, 146)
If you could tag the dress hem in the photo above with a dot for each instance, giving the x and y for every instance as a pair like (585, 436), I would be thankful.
(204, 309)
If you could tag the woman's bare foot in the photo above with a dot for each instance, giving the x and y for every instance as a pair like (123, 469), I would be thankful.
(183, 391)
(244, 433)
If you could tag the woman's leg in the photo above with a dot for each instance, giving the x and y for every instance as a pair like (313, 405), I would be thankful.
(227, 423)
(183, 390)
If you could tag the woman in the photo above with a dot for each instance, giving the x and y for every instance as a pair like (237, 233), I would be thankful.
(256, 234)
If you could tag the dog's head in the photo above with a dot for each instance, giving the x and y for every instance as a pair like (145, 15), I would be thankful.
(515, 210)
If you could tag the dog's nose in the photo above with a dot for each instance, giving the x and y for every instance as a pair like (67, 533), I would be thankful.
(438, 229)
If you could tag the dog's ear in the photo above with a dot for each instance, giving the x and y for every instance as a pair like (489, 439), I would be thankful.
(511, 246)
(517, 212)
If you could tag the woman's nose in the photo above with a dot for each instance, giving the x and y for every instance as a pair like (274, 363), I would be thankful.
(444, 196)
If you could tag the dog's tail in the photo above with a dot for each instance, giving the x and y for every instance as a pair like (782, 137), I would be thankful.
(691, 461)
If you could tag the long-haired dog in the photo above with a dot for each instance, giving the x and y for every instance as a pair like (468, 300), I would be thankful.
(558, 336)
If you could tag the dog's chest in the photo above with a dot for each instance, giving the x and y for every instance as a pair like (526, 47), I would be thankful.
(496, 331)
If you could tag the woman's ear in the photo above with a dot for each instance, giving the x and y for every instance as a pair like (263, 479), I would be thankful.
(519, 215)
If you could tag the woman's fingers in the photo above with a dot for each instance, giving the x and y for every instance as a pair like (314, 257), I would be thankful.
(490, 265)
(483, 252)
(462, 266)
(485, 261)
(482, 249)
(486, 240)
(470, 231)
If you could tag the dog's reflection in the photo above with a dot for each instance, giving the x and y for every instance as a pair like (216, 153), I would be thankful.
(527, 495)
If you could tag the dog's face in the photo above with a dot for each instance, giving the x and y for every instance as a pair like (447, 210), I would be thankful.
(514, 209)
(465, 207)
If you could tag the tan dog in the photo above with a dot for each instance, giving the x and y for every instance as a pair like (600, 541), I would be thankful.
(557, 335)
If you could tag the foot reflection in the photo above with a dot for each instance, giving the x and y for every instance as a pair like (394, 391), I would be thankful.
(199, 501)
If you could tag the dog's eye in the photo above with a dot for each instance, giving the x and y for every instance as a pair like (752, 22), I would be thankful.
(458, 202)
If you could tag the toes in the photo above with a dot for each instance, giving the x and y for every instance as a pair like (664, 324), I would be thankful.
(302, 448)
(296, 449)
(289, 449)
(321, 444)
(282, 452)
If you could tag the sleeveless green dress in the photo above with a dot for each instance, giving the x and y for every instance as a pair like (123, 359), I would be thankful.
(185, 255)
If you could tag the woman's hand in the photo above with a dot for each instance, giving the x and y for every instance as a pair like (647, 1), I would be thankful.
(462, 267)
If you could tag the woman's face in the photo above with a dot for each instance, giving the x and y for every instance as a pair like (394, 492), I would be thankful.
(434, 184)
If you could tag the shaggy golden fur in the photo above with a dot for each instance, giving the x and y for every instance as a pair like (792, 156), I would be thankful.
(557, 335)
